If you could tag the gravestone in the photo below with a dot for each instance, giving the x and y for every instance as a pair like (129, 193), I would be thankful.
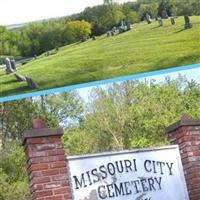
(48, 53)
(164, 14)
(13, 64)
(112, 33)
(93, 37)
(108, 34)
(83, 39)
(123, 22)
(114, 29)
(160, 22)
(9, 68)
(20, 78)
(148, 18)
(187, 22)
(129, 26)
(31, 84)
(172, 21)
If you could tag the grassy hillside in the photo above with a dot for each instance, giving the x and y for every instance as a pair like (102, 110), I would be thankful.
(145, 48)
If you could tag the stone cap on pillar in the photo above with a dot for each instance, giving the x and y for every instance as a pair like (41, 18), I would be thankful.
(185, 121)
(39, 130)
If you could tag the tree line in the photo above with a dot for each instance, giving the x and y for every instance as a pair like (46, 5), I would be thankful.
(38, 37)
(122, 116)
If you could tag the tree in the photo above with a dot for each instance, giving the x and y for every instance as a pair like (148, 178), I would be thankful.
(151, 9)
(67, 107)
(132, 17)
(16, 117)
(134, 114)
(76, 30)
(13, 175)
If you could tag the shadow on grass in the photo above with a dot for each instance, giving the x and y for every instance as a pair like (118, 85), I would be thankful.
(10, 81)
(16, 91)
(155, 27)
(181, 61)
(180, 31)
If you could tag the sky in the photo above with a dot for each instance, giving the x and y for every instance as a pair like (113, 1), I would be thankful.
(190, 74)
(20, 11)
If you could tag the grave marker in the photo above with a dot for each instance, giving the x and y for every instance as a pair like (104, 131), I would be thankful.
(172, 21)
(187, 22)
(20, 78)
(148, 18)
(31, 84)
(13, 64)
(160, 22)
(164, 14)
(9, 68)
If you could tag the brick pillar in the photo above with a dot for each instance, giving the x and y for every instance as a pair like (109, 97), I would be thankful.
(186, 133)
(46, 163)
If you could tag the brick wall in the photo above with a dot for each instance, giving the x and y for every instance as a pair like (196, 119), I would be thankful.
(186, 133)
(46, 162)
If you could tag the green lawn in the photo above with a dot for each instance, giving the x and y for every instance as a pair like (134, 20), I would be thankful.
(145, 48)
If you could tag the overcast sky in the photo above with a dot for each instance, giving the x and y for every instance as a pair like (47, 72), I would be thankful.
(19, 11)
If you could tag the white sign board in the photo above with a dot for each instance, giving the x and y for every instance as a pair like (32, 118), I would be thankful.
(148, 174)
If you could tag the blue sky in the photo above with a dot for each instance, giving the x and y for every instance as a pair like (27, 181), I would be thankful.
(191, 74)
(19, 11)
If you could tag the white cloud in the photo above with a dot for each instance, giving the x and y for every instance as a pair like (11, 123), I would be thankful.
(18, 11)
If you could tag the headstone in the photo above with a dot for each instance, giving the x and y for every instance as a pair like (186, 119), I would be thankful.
(160, 22)
(31, 83)
(148, 18)
(13, 64)
(123, 22)
(20, 78)
(173, 21)
(164, 14)
(129, 26)
(93, 37)
(48, 53)
(114, 29)
(187, 22)
(9, 68)
(108, 34)
(35, 56)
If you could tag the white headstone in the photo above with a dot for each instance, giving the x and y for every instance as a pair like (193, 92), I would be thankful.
(8, 66)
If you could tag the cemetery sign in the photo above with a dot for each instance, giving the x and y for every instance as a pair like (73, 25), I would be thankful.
(147, 174)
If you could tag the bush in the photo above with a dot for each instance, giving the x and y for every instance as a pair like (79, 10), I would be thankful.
(13, 176)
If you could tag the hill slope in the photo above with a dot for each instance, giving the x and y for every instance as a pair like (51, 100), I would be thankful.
(145, 48)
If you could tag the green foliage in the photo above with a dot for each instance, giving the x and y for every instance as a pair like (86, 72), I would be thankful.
(132, 17)
(76, 30)
(133, 115)
(76, 142)
(109, 57)
(66, 107)
(36, 38)
(151, 9)
(13, 177)
(16, 117)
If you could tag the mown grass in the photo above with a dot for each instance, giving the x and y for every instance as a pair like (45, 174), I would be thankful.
(145, 48)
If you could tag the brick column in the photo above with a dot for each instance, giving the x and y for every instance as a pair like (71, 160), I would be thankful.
(186, 133)
(46, 163)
